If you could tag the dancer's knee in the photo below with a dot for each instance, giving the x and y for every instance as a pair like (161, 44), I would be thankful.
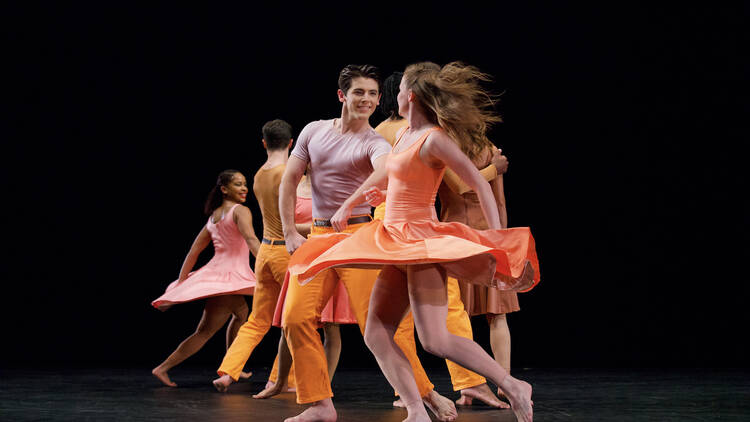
(241, 312)
(434, 344)
(376, 338)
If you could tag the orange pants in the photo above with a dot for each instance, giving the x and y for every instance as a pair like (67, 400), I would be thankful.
(302, 310)
(270, 269)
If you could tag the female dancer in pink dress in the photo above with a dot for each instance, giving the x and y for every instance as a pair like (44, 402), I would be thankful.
(446, 109)
(224, 279)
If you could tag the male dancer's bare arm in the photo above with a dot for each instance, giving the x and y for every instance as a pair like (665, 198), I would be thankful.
(199, 244)
(378, 178)
(498, 166)
(440, 147)
(244, 220)
(295, 168)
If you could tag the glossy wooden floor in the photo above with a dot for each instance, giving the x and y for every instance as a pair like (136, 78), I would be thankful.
(364, 395)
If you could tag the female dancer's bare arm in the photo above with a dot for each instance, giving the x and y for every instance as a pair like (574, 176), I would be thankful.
(244, 220)
(439, 149)
(378, 178)
(499, 192)
(199, 244)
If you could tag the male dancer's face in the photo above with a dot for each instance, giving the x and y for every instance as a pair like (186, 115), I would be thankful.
(362, 98)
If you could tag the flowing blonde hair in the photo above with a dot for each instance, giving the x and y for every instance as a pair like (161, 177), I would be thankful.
(452, 98)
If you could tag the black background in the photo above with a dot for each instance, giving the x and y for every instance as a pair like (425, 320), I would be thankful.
(622, 125)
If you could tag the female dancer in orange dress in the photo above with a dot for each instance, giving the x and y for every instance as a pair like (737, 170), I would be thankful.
(225, 278)
(446, 108)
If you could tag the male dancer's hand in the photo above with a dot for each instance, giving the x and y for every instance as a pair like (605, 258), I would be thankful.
(340, 220)
(500, 161)
(293, 241)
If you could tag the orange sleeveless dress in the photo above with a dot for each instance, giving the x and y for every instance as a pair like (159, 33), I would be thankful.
(410, 233)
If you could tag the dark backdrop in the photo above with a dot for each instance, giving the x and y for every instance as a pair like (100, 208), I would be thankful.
(620, 123)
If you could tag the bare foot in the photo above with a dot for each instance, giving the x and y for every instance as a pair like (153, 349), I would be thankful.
(481, 393)
(270, 384)
(162, 376)
(418, 417)
(223, 382)
(271, 390)
(519, 394)
(399, 403)
(245, 375)
(443, 408)
(320, 411)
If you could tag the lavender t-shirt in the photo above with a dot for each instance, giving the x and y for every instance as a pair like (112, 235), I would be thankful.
(339, 164)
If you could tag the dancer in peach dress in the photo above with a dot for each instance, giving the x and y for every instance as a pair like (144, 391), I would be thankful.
(446, 108)
(224, 279)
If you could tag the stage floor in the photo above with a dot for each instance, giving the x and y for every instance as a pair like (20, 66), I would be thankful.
(364, 395)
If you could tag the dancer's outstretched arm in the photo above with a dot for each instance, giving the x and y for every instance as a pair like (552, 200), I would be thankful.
(199, 244)
(378, 178)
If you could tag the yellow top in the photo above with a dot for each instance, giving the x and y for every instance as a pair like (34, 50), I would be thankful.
(388, 129)
(266, 188)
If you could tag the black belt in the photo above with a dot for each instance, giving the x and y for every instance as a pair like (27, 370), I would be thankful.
(273, 242)
(353, 220)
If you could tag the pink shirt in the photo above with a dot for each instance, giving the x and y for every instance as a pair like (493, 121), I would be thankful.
(339, 164)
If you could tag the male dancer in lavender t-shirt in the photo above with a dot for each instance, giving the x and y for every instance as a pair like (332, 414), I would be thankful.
(342, 154)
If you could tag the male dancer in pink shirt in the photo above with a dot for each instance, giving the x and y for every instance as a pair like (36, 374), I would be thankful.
(342, 154)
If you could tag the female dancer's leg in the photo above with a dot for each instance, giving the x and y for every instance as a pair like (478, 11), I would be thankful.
(215, 314)
(429, 303)
(332, 346)
(239, 316)
(284, 357)
(500, 340)
(389, 303)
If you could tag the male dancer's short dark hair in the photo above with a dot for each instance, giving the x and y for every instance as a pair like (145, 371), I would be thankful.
(277, 134)
(357, 71)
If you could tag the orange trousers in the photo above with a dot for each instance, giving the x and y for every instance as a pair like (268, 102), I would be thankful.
(302, 310)
(458, 323)
(270, 269)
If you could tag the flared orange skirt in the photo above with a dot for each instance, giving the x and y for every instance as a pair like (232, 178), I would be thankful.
(450, 244)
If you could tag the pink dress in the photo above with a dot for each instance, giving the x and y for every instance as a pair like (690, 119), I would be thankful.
(227, 273)
(337, 310)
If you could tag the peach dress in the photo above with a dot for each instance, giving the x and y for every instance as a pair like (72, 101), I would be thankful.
(410, 233)
(227, 273)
